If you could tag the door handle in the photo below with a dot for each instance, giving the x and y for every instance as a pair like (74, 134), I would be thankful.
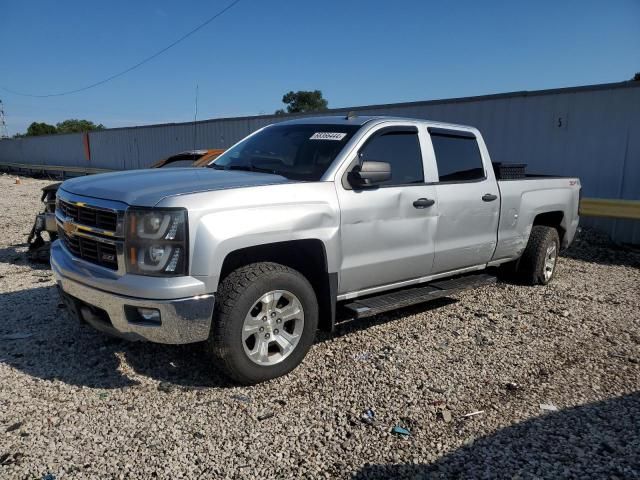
(489, 197)
(423, 202)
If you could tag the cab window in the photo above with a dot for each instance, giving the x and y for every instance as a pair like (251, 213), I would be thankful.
(401, 149)
(457, 156)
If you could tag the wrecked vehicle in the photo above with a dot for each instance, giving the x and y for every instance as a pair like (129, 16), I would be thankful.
(45, 221)
(38, 250)
(190, 158)
(255, 253)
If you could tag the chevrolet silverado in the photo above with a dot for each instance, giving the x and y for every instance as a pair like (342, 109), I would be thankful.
(256, 252)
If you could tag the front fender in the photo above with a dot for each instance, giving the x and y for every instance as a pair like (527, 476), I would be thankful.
(247, 217)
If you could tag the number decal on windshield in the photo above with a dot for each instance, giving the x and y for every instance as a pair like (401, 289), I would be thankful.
(328, 136)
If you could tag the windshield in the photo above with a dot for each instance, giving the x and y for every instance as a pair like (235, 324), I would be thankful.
(298, 152)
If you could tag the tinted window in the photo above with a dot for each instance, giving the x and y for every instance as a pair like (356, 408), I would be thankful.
(402, 151)
(299, 151)
(458, 158)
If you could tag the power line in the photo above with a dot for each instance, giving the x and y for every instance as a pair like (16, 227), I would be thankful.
(133, 67)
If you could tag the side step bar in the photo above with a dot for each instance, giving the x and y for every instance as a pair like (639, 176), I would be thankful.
(366, 307)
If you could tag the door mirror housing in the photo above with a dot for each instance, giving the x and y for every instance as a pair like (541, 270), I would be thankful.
(369, 173)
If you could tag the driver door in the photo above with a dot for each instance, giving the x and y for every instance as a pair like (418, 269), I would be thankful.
(388, 230)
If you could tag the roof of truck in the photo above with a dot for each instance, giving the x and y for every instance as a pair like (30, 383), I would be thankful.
(359, 120)
(332, 119)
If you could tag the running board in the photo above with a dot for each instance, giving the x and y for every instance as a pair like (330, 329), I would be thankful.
(366, 307)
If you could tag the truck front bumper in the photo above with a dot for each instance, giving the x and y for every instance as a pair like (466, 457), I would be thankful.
(181, 320)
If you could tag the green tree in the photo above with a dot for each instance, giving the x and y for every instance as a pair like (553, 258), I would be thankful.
(68, 126)
(303, 101)
(40, 128)
(74, 125)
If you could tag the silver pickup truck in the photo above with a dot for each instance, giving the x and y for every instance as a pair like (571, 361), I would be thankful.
(255, 253)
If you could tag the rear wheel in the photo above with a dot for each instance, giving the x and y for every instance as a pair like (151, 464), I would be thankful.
(264, 323)
(538, 263)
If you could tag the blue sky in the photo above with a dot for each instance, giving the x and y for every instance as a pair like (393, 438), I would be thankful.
(357, 52)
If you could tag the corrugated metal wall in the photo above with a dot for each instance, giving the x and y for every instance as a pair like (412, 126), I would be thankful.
(47, 150)
(591, 132)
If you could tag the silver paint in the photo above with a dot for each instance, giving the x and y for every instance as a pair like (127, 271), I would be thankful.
(184, 320)
(374, 239)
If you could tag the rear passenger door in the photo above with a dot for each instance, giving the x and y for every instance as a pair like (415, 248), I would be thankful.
(388, 231)
(468, 202)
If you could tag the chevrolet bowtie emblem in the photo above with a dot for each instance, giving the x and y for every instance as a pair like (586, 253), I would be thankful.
(69, 228)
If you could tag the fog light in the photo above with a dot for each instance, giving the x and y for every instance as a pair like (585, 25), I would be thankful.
(149, 314)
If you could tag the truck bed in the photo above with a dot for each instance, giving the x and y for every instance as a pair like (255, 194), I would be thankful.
(525, 199)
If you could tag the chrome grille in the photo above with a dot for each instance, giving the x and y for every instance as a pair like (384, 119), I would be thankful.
(91, 231)
(94, 251)
(89, 216)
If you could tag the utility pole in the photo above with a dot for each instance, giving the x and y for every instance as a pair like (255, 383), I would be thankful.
(195, 119)
(4, 133)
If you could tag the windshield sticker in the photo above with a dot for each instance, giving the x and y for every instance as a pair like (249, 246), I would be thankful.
(328, 136)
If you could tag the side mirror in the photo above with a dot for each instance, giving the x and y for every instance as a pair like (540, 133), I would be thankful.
(369, 173)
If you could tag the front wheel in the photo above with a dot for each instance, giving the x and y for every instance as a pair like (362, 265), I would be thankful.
(264, 322)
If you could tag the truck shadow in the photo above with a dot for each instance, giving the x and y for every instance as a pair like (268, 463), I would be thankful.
(596, 440)
(345, 324)
(38, 337)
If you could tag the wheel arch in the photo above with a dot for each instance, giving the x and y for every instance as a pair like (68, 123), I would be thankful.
(554, 219)
(307, 256)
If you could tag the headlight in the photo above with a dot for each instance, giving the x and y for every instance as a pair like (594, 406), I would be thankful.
(156, 241)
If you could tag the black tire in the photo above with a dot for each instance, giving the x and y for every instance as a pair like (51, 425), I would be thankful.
(237, 293)
(531, 269)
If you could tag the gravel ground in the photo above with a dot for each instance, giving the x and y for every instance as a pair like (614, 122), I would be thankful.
(76, 404)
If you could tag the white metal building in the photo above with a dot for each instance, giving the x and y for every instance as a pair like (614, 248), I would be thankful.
(592, 132)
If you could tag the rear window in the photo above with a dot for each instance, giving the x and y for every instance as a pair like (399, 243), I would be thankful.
(457, 156)
(298, 151)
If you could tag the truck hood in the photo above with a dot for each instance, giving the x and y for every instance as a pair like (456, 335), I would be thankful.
(145, 188)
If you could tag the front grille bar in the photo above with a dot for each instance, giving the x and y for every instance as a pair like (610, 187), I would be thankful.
(89, 216)
(93, 251)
